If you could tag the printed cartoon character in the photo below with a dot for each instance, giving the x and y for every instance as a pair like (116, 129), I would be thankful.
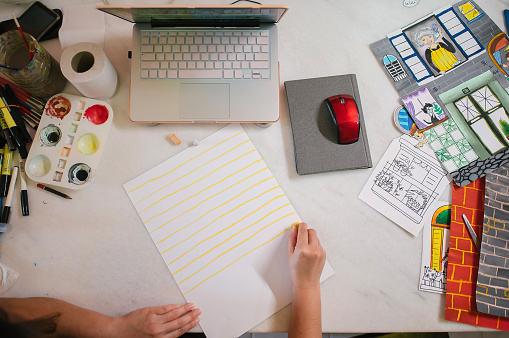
(431, 276)
(439, 55)
(418, 136)
(429, 110)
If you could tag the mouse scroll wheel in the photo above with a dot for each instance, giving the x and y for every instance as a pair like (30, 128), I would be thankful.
(342, 100)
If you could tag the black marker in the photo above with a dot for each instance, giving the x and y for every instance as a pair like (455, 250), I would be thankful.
(7, 207)
(23, 188)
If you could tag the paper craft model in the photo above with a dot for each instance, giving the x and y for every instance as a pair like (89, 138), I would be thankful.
(451, 70)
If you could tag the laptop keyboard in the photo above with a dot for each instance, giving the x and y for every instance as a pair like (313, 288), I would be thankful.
(207, 54)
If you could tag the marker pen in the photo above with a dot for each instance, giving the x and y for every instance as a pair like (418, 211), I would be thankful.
(16, 112)
(13, 128)
(7, 134)
(23, 186)
(8, 202)
(6, 171)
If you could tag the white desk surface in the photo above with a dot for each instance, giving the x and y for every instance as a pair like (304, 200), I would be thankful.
(94, 251)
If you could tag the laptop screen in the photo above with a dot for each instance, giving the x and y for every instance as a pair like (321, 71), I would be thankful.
(263, 14)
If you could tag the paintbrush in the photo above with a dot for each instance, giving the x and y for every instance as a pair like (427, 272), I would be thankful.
(30, 52)
(8, 67)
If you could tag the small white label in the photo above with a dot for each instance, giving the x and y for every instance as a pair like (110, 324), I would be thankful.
(410, 3)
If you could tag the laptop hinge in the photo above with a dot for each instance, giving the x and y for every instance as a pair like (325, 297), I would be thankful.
(206, 23)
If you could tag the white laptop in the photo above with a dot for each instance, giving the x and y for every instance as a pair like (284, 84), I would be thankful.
(200, 63)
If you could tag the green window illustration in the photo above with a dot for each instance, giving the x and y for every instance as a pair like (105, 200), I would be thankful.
(484, 113)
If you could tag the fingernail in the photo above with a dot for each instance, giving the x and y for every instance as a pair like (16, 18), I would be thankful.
(190, 306)
(197, 312)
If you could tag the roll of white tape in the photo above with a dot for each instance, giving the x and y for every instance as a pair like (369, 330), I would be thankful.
(86, 66)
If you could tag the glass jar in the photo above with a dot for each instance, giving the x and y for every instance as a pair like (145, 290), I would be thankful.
(40, 76)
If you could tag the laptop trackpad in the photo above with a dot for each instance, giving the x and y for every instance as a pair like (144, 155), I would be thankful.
(204, 101)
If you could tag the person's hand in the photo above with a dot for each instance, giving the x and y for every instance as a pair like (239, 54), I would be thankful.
(166, 321)
(306, 257)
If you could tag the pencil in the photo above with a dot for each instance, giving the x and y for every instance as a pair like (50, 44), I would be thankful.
(53, 191)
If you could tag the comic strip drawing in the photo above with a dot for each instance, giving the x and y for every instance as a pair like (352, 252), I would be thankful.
(406, 183)
(409, 181)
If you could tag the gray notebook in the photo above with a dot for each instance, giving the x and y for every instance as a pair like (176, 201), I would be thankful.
(314, 135)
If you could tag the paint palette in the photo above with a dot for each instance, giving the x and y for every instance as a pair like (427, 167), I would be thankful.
(69, 142)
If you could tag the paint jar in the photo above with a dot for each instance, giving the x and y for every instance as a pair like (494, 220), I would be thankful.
(40, 76)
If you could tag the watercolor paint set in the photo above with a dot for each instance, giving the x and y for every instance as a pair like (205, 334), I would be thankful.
(69, 142)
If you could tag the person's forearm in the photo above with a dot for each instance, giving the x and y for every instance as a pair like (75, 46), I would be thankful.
(73, 321)
(306, 316)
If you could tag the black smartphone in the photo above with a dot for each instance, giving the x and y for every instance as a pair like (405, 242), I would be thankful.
(37, 21)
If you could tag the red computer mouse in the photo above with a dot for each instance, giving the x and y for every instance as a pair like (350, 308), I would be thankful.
(345, 116)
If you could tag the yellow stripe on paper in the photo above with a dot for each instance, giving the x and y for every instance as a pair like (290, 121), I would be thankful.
(169, 172)
(199, 192)
(226, 240)
(182, 228)
(224, 229)
(204, 177)
(204, 164)
(226, 213)
(247, 253)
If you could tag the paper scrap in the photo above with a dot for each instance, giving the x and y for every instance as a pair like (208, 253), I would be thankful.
(221, 223)
(435, 249)
(406, 184)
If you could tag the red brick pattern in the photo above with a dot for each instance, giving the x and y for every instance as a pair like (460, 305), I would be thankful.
(464, 259)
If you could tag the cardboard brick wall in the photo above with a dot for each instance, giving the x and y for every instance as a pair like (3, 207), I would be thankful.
(463, 265)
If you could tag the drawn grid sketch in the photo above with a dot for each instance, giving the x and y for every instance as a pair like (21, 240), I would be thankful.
(406, 183)
(450, 145)
(221, 222)
(492, 292)
(435, 250)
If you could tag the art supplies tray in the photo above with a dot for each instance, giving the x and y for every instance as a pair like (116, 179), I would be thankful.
(69, 142)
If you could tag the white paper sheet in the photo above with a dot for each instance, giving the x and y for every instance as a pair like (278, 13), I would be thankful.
(435, 251)
(220, 221)
(81, 23)
(406, 183)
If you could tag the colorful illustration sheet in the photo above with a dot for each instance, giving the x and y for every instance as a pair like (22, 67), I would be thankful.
(492, 292)
(406, 184)
(221, 223)
(423, 109)
(462, 269)
(440, 53)
(435, 250)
